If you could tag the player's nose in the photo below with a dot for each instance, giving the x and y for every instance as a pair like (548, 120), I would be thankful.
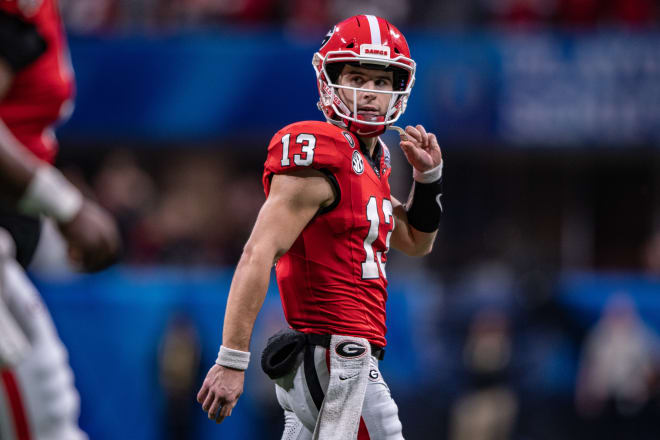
(368, 93)
(370, 85)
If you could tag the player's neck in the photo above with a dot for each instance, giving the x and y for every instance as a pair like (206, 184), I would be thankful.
(369, 143)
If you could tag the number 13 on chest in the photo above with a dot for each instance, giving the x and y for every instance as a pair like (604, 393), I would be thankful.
(374, 260)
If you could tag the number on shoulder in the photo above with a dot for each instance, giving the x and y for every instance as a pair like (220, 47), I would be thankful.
(307, 144)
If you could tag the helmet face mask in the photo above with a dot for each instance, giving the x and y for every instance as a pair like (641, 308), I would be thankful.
(371, 43)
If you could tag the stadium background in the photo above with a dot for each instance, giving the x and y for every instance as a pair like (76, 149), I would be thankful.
(546, 271)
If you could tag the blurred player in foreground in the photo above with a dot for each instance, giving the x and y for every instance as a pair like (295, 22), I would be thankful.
(37, 396)
(328, 221)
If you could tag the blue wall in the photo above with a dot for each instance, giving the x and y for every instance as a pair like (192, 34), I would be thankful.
(113, 325)
(524, 88)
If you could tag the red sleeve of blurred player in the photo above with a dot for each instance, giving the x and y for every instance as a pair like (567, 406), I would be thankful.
(11, 6)
(41, 91)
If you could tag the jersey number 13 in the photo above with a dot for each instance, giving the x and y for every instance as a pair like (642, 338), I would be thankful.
(372, 262)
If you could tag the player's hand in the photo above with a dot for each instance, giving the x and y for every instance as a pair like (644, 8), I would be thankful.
(220, 391)
(421, 148)
(93, 237)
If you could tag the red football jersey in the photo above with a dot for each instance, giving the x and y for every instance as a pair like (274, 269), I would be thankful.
(332, 280)
(41, 93)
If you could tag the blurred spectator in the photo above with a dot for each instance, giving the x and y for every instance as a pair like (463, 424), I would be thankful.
(618, 370)
(308, 14)
(652, 254)
(635, 12)
(186, 221)
(520, 12)
(176, 213)
(86, 16)
(124, 188)
(179, 371)
(488, 410)
(579, 12)
(187, 12)
(432, 13)
(396, 11)
(245, 196)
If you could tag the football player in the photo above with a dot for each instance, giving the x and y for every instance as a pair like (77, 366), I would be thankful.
(37, 396)
(328, 222)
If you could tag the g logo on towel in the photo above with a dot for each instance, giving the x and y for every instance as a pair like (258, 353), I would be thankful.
(350, 349)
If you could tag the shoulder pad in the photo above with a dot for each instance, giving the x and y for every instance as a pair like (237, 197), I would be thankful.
(309, 144)
(322, 129)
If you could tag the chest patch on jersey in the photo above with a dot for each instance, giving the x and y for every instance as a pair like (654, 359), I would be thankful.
(386, 157)
(358, 164)
(349, 138)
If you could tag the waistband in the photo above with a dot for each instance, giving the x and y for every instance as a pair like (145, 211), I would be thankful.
(324, 341)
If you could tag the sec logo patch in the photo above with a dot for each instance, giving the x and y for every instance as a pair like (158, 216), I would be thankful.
(358, 164)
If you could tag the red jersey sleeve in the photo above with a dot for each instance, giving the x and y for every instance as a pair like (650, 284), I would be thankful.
(308, 144)
(10, 6)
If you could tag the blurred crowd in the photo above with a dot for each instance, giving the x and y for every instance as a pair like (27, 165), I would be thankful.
(180, 207)
(512, 384)
(119, 15)
(195, 206)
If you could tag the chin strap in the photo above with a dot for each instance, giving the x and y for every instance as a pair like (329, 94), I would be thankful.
(364, 129)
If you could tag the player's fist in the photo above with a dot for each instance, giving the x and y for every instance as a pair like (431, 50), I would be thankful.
(93, 238)
(421, 148)
(220, 392)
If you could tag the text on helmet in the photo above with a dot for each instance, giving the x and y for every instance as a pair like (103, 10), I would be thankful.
(375, 50)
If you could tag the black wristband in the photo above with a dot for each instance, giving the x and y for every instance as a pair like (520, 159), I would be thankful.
(424, 207)
(20, 41)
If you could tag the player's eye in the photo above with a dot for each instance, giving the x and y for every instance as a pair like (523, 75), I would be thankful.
(356, 79)
(383, 82)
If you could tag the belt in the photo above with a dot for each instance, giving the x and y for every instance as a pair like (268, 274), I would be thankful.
(324, 341)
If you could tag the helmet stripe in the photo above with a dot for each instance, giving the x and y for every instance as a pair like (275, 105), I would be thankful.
(375, 29)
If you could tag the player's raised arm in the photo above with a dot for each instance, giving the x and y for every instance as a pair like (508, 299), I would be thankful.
(417, 221)
(37, 188)
(294, 199)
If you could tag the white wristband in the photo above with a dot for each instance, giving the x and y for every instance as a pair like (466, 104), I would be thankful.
(428, 176)
(49, 193)
(237, 359)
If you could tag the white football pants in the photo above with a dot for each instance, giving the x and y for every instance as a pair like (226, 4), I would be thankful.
(301, 392)
(37, 398)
